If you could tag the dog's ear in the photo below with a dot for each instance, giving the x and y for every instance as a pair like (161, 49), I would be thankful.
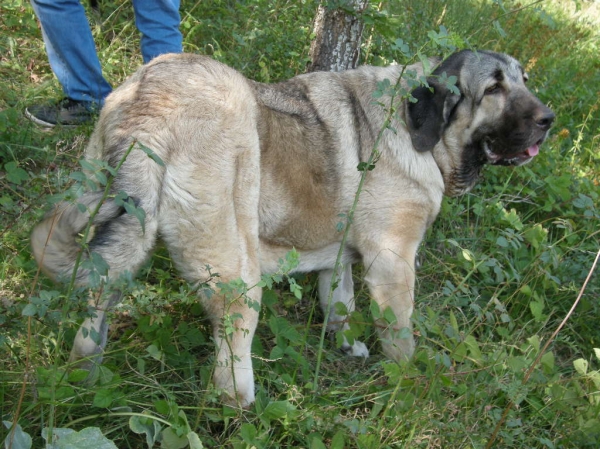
(430, 114)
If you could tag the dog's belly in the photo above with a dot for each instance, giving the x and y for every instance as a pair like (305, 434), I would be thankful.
(322, 258)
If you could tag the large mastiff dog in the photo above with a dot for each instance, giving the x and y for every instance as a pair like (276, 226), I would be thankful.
(252, 171)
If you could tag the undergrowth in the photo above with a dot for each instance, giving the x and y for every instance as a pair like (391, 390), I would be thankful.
(500, 268)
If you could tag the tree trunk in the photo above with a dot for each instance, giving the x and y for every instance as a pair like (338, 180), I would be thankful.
(336, 45)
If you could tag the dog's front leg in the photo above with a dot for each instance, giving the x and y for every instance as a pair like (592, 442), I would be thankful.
(390, 276)
(343, 293)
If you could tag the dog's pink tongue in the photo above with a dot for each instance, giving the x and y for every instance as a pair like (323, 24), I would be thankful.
(533, 150)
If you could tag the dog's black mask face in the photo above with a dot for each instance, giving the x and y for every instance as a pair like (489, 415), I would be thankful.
(494, 120)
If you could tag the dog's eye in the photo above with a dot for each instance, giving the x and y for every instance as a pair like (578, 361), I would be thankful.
(493, 89)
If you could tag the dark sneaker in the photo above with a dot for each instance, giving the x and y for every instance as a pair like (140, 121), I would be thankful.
(66, 112)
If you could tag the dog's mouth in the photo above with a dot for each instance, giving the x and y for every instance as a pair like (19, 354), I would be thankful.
(517, 158)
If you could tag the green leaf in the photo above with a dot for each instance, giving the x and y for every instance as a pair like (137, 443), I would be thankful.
(78, 176)
(460, 352)
(535, 342)
(20, 439)
(78, 375)
(340, 309)
(248, 433)
(473, 346)
(537, 310)
(499, 29)
(194, 440)
(151, 154)
(535, 235)
(453, 322)
(154, 352)
(316, 442)
(15, 174)
(29, 310)
(90, 437)
(103, 398)
(148, 426)
(338, 441)
(516, 364)
(502, 242)
(99, 263)
(339, 339)
(162, 407)
(278, 409)
(581, 366)
(170, 440)
(105, 375)
(547, 361)
(282, 328)
(389, 316)
(375, 310)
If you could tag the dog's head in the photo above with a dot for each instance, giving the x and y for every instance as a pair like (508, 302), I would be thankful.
(488, 117)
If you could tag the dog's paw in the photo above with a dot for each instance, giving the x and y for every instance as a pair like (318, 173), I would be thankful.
(400, 349)
(358, 349)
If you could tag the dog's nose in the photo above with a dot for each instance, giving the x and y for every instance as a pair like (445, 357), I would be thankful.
(545, 118)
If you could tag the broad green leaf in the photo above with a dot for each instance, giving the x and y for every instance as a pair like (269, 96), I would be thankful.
(17, 439)
(389, 316)
(103, 398)
(536, 235)
(248, 433)
(170, 440)
(338, 441)
(460, 352)
(453, 322)
(148, 426)
(473, 346)
(340, 308)
(90, 437)
(154, 352)
(375, 310)
(581, 366)
(278, 409)
(194, 440)
(316, 442)
(516, 364)
(535, 342)
(15, 174)
(404, 333)
(78, 375)
(29, 310)
(162, 406)
(547, 361)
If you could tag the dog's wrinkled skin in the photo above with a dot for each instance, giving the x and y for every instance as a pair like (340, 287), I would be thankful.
(253, 170)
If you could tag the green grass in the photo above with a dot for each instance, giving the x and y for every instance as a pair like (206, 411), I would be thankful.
(501, 266)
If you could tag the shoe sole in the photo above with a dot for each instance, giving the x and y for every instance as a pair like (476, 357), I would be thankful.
(40, 122)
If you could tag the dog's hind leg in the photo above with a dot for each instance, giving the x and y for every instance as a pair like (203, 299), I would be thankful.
(124, 247)
(209, 223)
(344, 293)
(216, 244)
(90, 341)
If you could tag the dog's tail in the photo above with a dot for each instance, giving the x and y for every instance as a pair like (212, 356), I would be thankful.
(114, 235)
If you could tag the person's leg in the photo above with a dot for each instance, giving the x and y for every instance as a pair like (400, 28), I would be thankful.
(71, 49)
(158, 22)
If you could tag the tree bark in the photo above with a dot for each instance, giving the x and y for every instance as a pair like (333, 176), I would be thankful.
(338, 33)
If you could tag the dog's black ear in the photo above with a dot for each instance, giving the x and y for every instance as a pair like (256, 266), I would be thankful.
(430, 114)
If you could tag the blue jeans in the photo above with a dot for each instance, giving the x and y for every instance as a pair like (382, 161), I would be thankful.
(72, 52)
